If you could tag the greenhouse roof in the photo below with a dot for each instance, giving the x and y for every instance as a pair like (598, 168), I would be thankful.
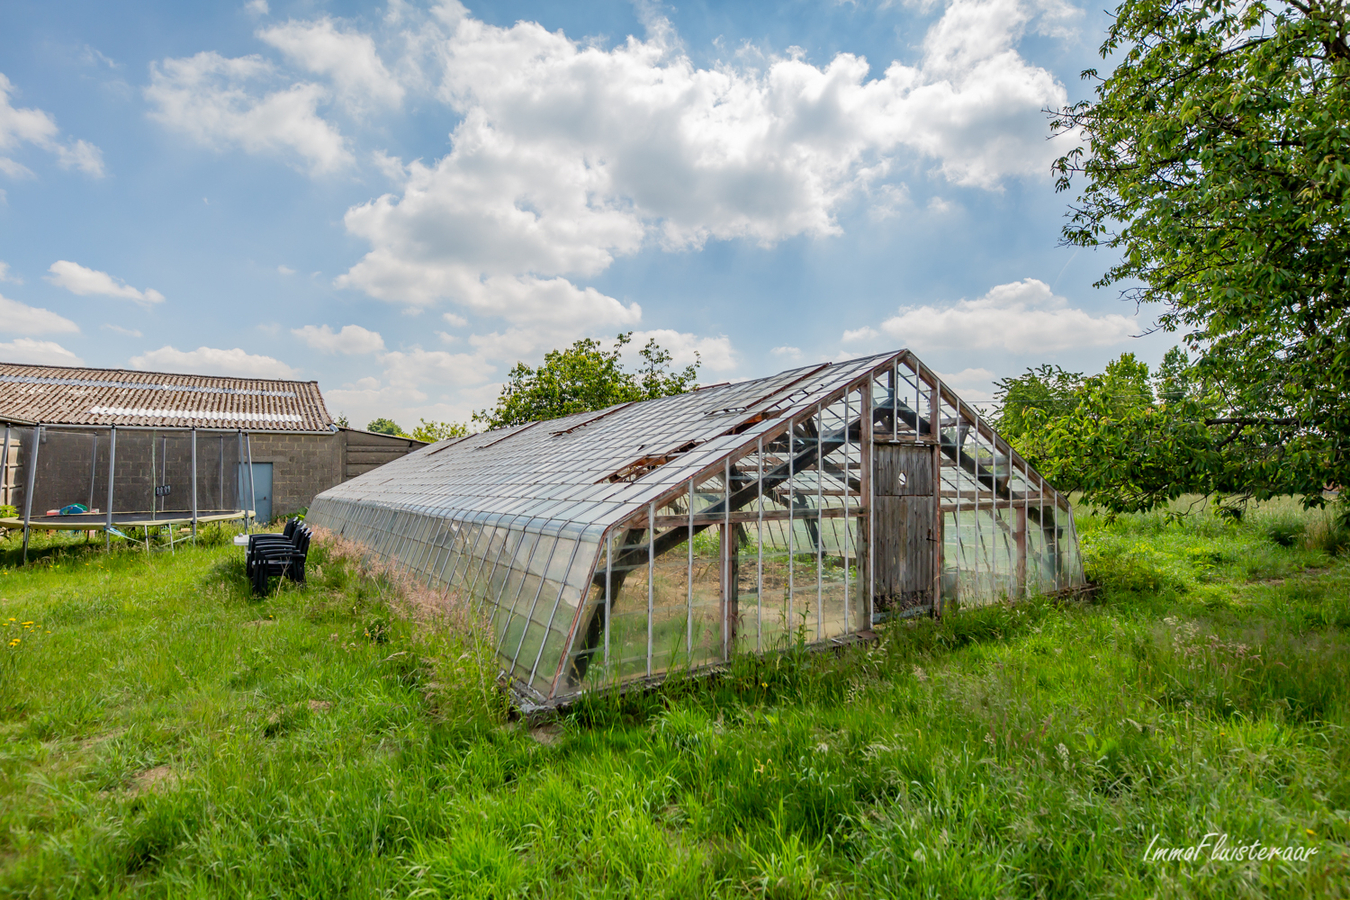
(595, 468)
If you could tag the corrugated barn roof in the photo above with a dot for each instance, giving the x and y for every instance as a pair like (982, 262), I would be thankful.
(60, 395)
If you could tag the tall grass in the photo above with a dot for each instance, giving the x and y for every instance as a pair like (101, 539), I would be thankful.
(166, 734)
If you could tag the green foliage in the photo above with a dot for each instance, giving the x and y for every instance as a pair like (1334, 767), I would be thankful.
(1106, 437)
(434, 431)
(341, 421)
(385, 426)
(1217, 162)
(583, 378)
(8, 512)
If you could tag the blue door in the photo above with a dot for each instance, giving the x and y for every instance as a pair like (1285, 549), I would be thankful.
(262, 490)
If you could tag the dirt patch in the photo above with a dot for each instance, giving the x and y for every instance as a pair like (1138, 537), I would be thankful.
(257, 622)
(103, 738)
(547, 734)
(158, 778)
(318, 706)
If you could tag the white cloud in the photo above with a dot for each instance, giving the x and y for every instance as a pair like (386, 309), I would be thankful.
(81, 155)
(792, 354)
(257, 7)
(222, 103)
(1022, 317)
(455, 321)
(864, 334)
(40, 353)
(350, 340)
(212, 361)
(17, 318)
(118, 329)
(33, 126)
(5, 276)
(418, 367)
(79, 280)
(714, 353)
(285, 270)
(967, 376)
(568, 155)
(348, 58)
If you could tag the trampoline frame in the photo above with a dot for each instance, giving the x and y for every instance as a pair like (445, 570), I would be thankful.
(66, 523)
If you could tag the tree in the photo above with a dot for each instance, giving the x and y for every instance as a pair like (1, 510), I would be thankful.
(434, 431)
(385, 426)
(341, 421)
(1216, 162)
(1110, 437)
(582, 378)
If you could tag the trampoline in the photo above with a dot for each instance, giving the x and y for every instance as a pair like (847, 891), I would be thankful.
(140, 477)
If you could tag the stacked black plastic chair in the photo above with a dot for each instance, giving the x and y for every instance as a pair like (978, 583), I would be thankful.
(277, 555)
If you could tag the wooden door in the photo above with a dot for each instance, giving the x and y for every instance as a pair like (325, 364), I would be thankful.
(906, 527)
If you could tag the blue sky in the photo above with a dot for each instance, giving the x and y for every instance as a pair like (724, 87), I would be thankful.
(402, 200)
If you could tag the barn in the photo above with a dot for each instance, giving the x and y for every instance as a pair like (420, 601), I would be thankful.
(619, 546)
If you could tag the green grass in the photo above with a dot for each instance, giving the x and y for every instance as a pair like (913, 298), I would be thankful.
(164, 734)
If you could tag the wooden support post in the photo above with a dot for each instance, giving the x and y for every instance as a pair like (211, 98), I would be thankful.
(1020, 558)
(866, 567)
(651, 579)
(689, 577)
(935, 438)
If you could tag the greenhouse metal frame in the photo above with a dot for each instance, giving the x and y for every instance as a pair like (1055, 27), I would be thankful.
(620, 546)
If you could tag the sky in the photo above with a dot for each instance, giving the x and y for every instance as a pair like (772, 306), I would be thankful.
(403, 200)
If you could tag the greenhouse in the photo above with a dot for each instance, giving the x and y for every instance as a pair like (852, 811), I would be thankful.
(619, 546)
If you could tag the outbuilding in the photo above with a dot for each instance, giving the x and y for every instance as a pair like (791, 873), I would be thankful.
(137, 446)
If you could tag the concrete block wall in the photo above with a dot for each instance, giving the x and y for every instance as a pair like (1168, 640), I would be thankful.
(303, 465)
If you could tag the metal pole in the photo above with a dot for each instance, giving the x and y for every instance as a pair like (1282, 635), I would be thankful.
(93, 470)
(194, 484)
(5, 492)
(154, 488)
(28, 494)
(112, 461)
(252, 490)
(239, 481)
(609, 603)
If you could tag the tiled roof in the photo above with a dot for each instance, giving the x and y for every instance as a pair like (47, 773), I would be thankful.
(59, 395)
